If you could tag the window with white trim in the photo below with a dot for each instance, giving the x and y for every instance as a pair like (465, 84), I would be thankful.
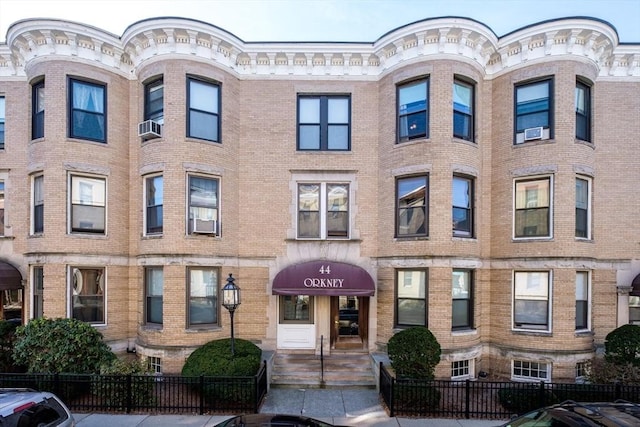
(462, 213)
(203, 205)
(462, 303)
(323, 210)
(153, 202)
(88, 204)
(203, 296)
(531, 300)
(461, 369)
(583, 301)
(37, 213)
(583, 208)
(581, 372)
(2, 219)
(88, 287)
(154, 284)
(154, 364)
(37, 275)
(533, 207)
(2, 121)
(530, 371)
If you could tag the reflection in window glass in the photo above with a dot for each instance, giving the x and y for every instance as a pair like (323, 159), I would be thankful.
(88, 289)
(412, 111)
(411, 305)
(203, 296)
(296, 309)
(412, 206)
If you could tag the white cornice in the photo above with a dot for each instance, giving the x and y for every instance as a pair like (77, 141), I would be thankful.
(36, 40)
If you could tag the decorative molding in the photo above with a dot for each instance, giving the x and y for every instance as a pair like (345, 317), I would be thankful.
(578, 38)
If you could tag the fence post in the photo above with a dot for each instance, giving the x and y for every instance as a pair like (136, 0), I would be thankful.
(542, 401)
(129, 392)
(467, 394)
(201, 387)
(618, 390)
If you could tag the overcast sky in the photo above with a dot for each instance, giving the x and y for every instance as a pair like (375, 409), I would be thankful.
(323, 20)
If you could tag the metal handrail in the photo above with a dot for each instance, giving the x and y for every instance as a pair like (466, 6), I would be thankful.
(321, 359)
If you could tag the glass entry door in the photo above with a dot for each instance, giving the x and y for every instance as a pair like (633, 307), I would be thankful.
(350, 322)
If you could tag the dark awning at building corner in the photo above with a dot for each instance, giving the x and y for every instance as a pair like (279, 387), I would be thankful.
(10, 277)
(635, 287)
(323, 278)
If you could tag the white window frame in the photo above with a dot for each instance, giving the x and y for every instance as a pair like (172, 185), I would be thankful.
(148, 295)
(34, 203)
(523, 179)
(71, 270)
(3, 121)
(81, 176)
(189, 218)
(587, 275)
(467, 365)
(33, 290)
(324, 211)
(589, 181)
(145, 181)
(530, 363)
(155, 364)
(3, 202)
(549, 299)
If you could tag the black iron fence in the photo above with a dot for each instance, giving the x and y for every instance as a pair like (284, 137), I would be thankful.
(487, 399)
(149, 393)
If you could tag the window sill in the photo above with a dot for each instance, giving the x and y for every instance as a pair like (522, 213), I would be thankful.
(532, 333)
(411, 142)
(531, 239)
(7, 238)
(88, 235)
(464, 238)
(201, 329)
(315, 239)
(473, 144)
(583, 240)
(534, 143)
(152, 236)
(203, 141)
(584, 333)
(410, 238)
(463, 332)
(149, 327)
(586, 143)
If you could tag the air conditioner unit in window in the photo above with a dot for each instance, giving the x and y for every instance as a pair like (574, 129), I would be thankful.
(205, 226)
(149, 129)
(533, 133)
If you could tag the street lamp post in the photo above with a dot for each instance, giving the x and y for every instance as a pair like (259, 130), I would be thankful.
(231, 301)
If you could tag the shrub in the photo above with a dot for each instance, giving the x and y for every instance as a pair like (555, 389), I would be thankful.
(111, 385)
(602, 371)
(7, 341)
(523, 398)
(414, 353)
(622, 345)
(61, 346)
(214, 359)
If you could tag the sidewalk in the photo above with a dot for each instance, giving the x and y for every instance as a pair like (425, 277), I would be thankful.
(347, 407)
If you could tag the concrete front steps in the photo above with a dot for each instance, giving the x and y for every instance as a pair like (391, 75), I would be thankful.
(341, 369)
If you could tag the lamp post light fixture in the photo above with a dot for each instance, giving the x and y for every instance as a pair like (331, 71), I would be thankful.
(231, 301)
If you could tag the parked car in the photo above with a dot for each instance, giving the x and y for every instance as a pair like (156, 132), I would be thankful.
(273, 420)
(23, 407)
(574, 414)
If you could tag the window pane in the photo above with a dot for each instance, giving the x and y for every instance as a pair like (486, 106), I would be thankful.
(462, 100)
(154, 278)
(462, 126)
(88, 109)
(337, 210)
(461, 285)
(154, 191)
(338, 137)
(532, 285)
(532, 194)
(309, 110)
(411, 284)
(296, 308)
(581, 104)
(412, 205)
(532, 93)
(88, 294)
(203, 302)
(88, 97)
(338, 110)
(203, 96)
(460, 314)
(412, 98)
(531, 314)
(411, 312)
(203, 192)
(203, 125)
(310, 137)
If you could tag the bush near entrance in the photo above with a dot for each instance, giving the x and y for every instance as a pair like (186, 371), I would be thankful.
(622, 345)
(7, 341)
(414, 353)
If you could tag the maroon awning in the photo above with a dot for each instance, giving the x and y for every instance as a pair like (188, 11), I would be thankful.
(10, 277)
(635, 287)
(324, 278)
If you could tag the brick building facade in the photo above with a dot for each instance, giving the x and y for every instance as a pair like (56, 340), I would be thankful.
(439, 176)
